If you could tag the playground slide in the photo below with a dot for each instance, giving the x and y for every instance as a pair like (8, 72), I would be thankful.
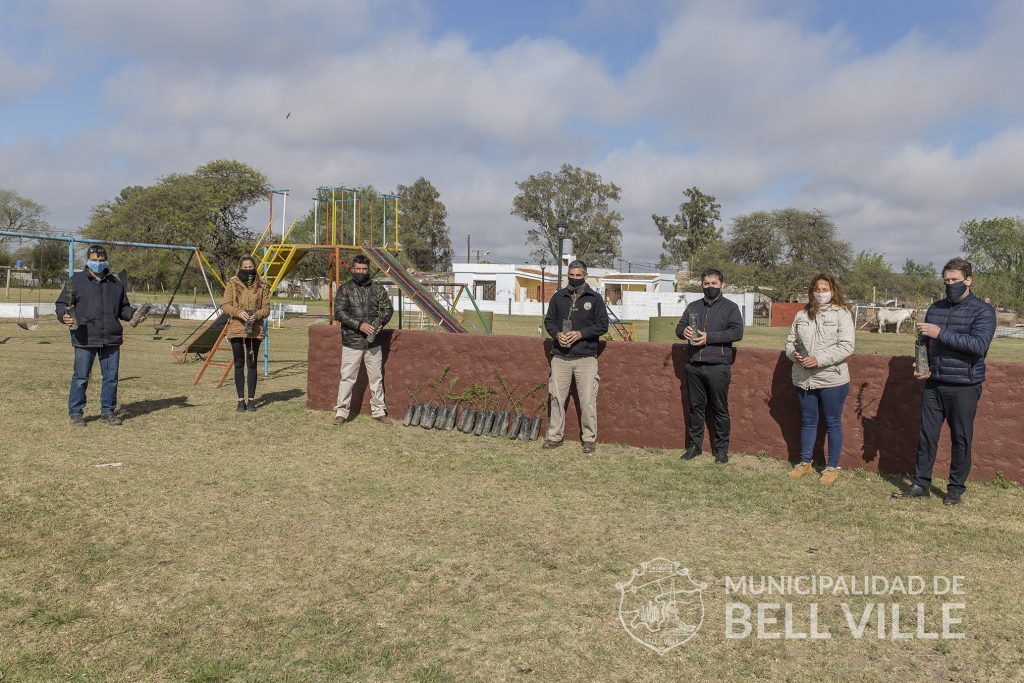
(413, 290)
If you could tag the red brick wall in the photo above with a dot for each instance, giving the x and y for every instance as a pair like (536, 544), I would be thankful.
(643, 392)
(783, 314)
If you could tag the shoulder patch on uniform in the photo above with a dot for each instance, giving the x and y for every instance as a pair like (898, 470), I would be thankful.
(587, 306)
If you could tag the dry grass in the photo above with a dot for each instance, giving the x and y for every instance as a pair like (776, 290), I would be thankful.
(275, 547)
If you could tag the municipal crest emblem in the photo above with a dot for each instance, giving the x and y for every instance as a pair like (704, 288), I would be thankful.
(661, 607)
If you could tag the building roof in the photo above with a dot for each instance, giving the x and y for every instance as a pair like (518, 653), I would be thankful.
(635, 277)
(535, 273)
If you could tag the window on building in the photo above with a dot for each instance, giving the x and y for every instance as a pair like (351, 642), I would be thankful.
(487, 289)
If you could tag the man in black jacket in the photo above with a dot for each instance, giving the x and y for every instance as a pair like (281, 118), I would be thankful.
(957, 331)
(576, 320)
(93, 303)
(362, 308)
(709, 367)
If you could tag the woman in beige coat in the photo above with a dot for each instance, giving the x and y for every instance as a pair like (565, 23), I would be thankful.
(247, 302)
(819, 342)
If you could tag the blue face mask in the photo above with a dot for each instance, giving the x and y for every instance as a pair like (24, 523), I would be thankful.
(97, 266)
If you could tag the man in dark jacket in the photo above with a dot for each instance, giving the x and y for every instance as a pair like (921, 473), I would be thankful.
(957, 331)
(362, 308)
(709, 366)
(93, 303)
(576, 320)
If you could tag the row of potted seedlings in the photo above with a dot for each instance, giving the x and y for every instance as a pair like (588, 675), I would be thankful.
(479, 414)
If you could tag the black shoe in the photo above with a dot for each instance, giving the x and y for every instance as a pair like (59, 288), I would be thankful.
(914, 491)
(951, 498)
(111, 419)
(589, 446)
(250, 405)
(721, 457)
(690, 453)
(76, 420)
(551, 444)
(241, 405)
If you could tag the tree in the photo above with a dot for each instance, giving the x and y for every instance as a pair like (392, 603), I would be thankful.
(19, 214)
(787, 247)
(581, 199)
(423, 232)
(691, 230)
(871, 276)
(206, 209)
(995, 248)
(920, 281)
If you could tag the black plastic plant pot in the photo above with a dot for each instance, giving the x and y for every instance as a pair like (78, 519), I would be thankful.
(524, 430)
(535, 428)
(408, 415)
(481, 423)
(463, 419)
(502, 427)
(496, 425)
(417, 415)
(513, 426)
(441, 421)
(429, 413)
(449, 418)
(489, 423)
(470, 421)
(74, 318)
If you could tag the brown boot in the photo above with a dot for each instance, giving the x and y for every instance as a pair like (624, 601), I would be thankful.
(338, 420)
(800, 470)
(830, 475)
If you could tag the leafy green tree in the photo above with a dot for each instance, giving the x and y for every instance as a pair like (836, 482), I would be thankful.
(871, 276)
(921, 281)
(995, 247)
(691, 230)
(423, 231)
(20, 214)
(580, 198)
(785, 248)
(206, 209)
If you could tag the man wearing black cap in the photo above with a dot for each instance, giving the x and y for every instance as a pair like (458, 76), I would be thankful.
(93, 303)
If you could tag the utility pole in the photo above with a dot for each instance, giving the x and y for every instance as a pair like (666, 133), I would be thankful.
(467, 250)
(478, 256)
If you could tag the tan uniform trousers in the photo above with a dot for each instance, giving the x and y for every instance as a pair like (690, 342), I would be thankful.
(563, 370)
(351, 359)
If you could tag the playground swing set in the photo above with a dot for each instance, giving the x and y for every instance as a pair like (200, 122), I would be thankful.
(346, 222)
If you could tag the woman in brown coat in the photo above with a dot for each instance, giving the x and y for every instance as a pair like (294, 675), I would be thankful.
(247, 302)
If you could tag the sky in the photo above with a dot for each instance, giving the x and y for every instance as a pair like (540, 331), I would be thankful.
(901, 119)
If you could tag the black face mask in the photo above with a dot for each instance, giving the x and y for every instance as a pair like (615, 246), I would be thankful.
(956, 291)
(360, 278)
(577, 282)
(247, 275)
(712, 293)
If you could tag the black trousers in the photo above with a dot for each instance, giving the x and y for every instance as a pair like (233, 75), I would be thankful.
(957, 405)
(245, 351)
(707, 383)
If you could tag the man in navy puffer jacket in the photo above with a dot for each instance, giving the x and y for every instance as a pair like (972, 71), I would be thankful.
(957, 331)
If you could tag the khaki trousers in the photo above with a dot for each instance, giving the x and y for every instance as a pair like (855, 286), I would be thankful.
(563, 370)
(351, 359)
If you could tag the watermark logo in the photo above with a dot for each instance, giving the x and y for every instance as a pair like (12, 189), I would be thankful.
(660, 606)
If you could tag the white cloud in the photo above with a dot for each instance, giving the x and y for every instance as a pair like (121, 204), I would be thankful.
(761, 111)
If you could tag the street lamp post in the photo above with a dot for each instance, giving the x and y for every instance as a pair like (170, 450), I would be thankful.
(560, 229)
(543, 282)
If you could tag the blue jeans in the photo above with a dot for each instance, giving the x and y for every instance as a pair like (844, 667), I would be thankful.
(110, 357)
(830, 401)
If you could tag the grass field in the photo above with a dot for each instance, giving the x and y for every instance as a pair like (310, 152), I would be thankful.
(275, 547)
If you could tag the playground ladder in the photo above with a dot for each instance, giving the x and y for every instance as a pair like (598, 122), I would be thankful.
(624, 330)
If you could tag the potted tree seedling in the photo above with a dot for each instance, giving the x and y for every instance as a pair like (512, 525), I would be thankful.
(71, 308)
(380, 304)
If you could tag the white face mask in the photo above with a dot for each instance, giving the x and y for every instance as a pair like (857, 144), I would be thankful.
(823, 297)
